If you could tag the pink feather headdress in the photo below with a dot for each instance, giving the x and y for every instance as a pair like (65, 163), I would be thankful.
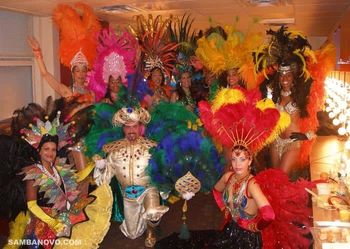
(116, 56)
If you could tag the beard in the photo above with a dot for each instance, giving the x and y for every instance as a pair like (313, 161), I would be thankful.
(131, 136)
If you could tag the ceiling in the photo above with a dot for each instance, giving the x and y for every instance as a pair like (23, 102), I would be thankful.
(313, 17)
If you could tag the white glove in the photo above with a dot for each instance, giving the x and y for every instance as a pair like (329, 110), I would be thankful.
(188, 196)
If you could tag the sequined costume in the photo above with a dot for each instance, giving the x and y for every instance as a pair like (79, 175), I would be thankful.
(53, 203)
(234, 236)
(128, 161)
(86, 219)
(285, 144)
(58, 197)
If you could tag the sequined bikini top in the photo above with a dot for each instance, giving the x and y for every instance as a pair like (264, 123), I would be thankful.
(290, 108)
(239, 201)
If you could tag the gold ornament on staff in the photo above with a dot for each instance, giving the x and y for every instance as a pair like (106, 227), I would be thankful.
(187, 186)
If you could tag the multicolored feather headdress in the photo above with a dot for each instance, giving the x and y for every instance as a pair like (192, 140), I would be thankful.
(36, 132)
(238, 117)
(78, 34)
(116, 57)
(157, 49)
(181, 33)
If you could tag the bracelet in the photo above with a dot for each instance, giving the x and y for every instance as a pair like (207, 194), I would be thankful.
(38, 54)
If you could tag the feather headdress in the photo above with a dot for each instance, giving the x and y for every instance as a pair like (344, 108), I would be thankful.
(181, 33)
(36, 132)
(238, 117)
(116, 56)
(221, 51)
(157, 49)
(285, 47)
(78, 34)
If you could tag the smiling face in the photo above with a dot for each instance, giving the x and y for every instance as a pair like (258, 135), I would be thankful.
(232, 77)
(286, 80)
(185, 80)
(240, 162)
(132, 131)
(48, 152)
(79, 74)
(157, 77)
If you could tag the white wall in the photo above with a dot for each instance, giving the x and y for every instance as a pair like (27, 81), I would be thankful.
(316, 41)
(15, 62)
(20, 80)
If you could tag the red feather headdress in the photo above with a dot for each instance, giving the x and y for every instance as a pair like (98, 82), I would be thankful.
(238, 117)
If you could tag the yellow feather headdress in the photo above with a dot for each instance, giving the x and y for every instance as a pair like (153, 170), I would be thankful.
(219, 53)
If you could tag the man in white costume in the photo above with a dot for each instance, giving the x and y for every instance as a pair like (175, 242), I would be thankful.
(127, 159)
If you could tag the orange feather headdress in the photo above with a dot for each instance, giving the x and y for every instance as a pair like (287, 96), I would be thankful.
(78, 34)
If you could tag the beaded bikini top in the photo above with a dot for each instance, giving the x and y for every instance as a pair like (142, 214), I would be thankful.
(239, 201)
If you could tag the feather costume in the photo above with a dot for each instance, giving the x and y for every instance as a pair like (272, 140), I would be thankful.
(220, 53)
(77, 33)
(239, 117)
(116, 56)
(157, 49)
(181, 148)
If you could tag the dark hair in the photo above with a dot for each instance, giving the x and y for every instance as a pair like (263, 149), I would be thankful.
(300, 91)
(223, 80)
(46, 139)
(241, 148)
(23, 117)
(74, 67)
(218, 29)
(247, 151)
(108, 92)
(181, 93)
(161, 71)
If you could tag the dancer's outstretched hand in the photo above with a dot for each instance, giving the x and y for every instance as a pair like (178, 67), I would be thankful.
(33, 43)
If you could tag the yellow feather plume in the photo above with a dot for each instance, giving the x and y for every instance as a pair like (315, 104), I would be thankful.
(265, 104)
(227, 96)
(17, 229)
(219, 55)
(283, 123)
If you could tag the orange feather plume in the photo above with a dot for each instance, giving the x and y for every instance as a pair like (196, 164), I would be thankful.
(77, 32)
